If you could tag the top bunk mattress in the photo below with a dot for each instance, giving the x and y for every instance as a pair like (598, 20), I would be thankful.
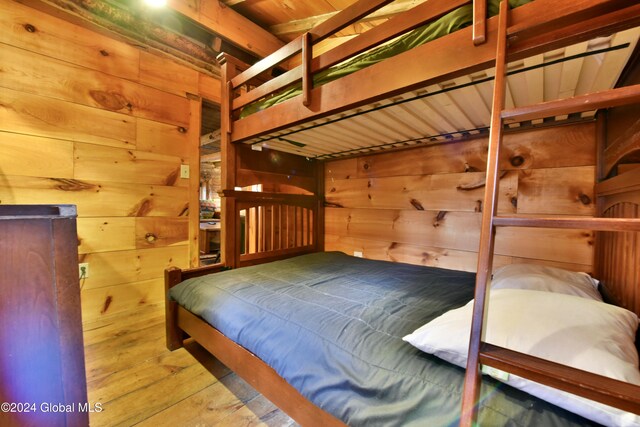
(332, 325)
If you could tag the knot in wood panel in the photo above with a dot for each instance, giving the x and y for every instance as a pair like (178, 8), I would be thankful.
(110, 100)
(416, 204)
(30, 28)
(107, 303)
(584, 199)
(516, 161)
(439, 217)
(142, 208)
(104, 52)
(469, 168)
(72, 185)
(474, 185)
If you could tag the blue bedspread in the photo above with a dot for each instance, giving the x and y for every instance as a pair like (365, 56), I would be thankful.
(332, 325)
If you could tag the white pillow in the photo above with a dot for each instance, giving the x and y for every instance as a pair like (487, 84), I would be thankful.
(578, 332)
(544, 278)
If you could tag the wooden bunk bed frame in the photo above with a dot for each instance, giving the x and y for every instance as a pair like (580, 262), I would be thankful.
(284, 225)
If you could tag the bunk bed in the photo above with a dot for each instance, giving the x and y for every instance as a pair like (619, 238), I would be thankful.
(274, 238)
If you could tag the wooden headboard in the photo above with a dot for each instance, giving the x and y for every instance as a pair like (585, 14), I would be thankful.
(617, 254)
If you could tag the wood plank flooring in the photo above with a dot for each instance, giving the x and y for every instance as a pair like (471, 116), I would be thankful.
(137, 381)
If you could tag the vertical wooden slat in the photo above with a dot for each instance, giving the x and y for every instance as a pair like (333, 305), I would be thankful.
(272, 213)
(479, 21)
(253, 236)
(307, 78)
(267, 227)
(318, 229)
(260, 229)
(303, 221)
(311, 227)
(283, 227)
(294, 226)
(487, 233)
(246, 231)
(308, 242)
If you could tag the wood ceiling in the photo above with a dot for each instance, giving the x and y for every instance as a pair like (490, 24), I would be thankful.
(290, 18)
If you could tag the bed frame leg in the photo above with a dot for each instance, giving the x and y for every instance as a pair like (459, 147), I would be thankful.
(174, 335)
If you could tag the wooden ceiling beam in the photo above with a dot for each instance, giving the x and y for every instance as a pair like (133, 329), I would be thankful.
(226, 22)
(109, 19)
(302, 25)
(232, 2)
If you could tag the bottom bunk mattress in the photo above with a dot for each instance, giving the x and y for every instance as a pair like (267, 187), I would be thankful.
(332, 325)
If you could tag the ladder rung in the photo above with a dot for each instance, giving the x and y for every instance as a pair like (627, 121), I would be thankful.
(596, 387)
(599, 224)
(607, 98)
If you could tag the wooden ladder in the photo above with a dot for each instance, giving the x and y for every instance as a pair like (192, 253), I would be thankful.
(586, 384)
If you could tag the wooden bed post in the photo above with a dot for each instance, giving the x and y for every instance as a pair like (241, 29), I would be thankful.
(174, 335)
(479, 21)
(229, 67)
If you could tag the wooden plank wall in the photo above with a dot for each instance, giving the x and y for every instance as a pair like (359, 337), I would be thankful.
(422, 206)
(91, 121)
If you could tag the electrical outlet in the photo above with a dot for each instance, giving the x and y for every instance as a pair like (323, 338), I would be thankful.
(184, 171)
(83, 270)
(357, 253)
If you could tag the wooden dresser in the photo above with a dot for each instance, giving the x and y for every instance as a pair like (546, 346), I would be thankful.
(42, 373)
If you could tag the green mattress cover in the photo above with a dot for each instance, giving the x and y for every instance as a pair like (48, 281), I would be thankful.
(453, 21)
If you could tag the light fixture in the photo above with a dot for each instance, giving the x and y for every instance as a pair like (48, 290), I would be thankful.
(156, 3)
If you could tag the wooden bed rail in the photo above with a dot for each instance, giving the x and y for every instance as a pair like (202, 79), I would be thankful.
(271, 226)
(397, 25)
(572, 22)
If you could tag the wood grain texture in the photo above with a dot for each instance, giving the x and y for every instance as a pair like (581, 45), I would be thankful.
(120, 267)
(167, 75)
(377, 198)
(109, 164)
(121, 298)
(96, 199)
(534, 149)
(428, 192)
(106, 234)
(128, 368)
(33, 156)
(38, 74)
(431, 256)
(65, 41)
(458, 231)
(163, 138)
(63, 120)
(151, 232)
(560, 191)
(209, 88)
